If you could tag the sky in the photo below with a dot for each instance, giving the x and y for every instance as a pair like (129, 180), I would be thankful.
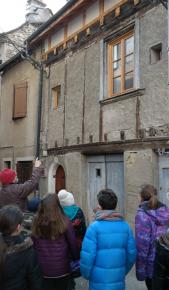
(12, 12)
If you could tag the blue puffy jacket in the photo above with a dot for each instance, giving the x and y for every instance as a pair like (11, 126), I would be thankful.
(108, 253)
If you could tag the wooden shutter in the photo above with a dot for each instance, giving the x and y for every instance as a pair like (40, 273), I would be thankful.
(20, 101)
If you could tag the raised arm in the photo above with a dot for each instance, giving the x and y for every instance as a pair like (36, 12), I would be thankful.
(30, 185)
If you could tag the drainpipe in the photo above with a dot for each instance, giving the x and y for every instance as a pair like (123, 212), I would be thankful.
(39, 111)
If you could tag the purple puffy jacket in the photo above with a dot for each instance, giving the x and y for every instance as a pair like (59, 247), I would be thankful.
(149, 224)
(54, 255)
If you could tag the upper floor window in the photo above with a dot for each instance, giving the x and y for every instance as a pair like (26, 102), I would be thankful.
(121, 65)
(56, 97)
(20, 100)
(156, 53)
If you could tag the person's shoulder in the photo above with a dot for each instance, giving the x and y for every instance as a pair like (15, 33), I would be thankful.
(127, 226)
(93, 226)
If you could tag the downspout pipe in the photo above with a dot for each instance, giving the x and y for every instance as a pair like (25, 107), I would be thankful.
(39, 111)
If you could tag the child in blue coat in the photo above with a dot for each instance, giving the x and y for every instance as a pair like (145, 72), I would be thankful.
(108, 249)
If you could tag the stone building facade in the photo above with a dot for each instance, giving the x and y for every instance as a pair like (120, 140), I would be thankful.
(105, 117)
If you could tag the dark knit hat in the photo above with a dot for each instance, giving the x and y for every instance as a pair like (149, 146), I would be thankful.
(7, 176)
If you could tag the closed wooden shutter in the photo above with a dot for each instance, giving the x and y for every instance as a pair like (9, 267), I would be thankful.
(20, 100)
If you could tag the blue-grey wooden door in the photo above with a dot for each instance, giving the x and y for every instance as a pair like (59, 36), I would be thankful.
(106, 171)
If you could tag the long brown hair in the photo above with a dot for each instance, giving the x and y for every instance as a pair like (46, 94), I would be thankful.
(50, 221)
(149, 193)
(10, 217)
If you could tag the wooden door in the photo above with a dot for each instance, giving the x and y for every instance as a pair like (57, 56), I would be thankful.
(59, 179)
(24, 170)
(106, 171)
(115, 177)
(96, 178)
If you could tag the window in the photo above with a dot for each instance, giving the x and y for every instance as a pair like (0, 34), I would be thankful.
(20, 101)
(98, 172)
(155, 53)
(7, 164)
(24, 170)
(121, 65)
(56, 97)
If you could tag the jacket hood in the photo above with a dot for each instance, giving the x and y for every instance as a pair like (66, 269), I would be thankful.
(160, 215)
(17, 244)
(71, 211)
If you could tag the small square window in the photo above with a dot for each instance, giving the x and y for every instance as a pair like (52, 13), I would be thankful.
(155, 53)
(56, 97)
(7, 164)
(98, 172)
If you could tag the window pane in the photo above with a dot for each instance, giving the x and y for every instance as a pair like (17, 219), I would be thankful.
(129, 63)
(117, 85)
(116, 52)
(129, 45)
(117, 68)
(128, 84)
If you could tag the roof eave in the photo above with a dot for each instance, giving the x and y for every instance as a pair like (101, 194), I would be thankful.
(10, 62)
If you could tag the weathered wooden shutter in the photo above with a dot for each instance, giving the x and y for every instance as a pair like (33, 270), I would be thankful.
(20, 100)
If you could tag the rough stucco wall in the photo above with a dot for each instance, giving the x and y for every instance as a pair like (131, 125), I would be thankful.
(120, 116)
(56, 117)
(19, 133)
(154, 106)
(75, 174)
(92, 89)
(74, 97)
(75, 74)
(140, 167)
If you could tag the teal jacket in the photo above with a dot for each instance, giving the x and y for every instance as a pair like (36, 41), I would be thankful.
(108, 253)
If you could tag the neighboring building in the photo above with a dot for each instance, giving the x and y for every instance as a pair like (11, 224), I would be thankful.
(105, 119)
(19, 95)
(37, 13)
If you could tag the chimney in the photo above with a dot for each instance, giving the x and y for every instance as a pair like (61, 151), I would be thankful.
(37, 13)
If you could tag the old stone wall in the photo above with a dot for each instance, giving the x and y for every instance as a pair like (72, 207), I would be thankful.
(154, 104)
(81, 119)
(140, 167)
(18, 37)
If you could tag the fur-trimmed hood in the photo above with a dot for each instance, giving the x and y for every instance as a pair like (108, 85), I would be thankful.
(17, 244)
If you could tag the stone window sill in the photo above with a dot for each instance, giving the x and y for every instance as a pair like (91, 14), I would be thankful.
(122, 97)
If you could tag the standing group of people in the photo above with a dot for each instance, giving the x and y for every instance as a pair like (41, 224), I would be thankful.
(60, 248)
